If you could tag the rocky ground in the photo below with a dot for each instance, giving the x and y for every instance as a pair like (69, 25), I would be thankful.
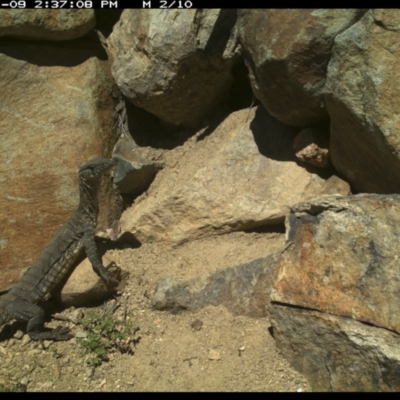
(210, 350)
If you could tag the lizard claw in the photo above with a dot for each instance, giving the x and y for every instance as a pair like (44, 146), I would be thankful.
(62, 333)
(57, 334)
(110, 274)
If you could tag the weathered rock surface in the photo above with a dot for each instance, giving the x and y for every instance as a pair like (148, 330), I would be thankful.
(176, 64)
(242, 175)
(243, 289)
(55, 114)
(311, 145)
(46, 24)
(287, 52)
(337, 353)
(341, 258)
(362, 85)
(133, 172)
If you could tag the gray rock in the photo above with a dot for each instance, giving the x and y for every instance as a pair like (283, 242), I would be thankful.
(336, 353)
(243, 289)
(176, 65)
(133, 172)
(287, 52)
(362, 85)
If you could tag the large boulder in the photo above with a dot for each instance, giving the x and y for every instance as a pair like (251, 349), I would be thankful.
(46, 24)
(287, 52)
(341, 258)
(176, 65)
(362, 91)
(337, 353)
(242, 175)
(55, 114)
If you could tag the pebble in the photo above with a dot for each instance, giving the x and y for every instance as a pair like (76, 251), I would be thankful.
(18, 335)
(24, 381)
(214, 355)
(89, 372)
(47, 343)
(81, 334)
(26, 339)
(197, 325)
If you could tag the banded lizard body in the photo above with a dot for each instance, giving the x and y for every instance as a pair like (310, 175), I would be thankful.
(57, 259)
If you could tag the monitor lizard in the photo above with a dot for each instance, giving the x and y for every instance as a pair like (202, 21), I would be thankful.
(57, 259)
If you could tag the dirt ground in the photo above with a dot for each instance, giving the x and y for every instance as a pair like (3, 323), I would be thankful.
(210, 350)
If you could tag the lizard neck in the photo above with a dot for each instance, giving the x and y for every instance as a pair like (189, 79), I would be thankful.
(88, 201)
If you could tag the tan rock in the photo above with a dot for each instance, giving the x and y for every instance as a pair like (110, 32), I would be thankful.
(46, 24)
(214, 355)
(311, 146)
(55, 114)
(241, 176)
(362, 90)
(287, 52)
(176, 64)
(335, 185)
(341, 258)
(85, 287)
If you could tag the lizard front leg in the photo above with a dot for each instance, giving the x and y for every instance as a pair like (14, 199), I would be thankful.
(93, 256)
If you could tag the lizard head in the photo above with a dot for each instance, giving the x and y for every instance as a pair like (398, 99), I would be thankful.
(94, 168)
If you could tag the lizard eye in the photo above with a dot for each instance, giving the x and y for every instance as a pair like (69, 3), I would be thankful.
(86, 174)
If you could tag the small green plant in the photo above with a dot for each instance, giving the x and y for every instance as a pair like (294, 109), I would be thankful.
(53, 350)
(105, 334)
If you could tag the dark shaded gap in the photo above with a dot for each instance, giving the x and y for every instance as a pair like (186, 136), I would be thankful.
(67, 53)
(147, 130)
(279, 228)
(106, 19)
(240, 94)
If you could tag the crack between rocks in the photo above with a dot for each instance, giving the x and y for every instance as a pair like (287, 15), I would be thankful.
(320, 208)
(280, 303)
